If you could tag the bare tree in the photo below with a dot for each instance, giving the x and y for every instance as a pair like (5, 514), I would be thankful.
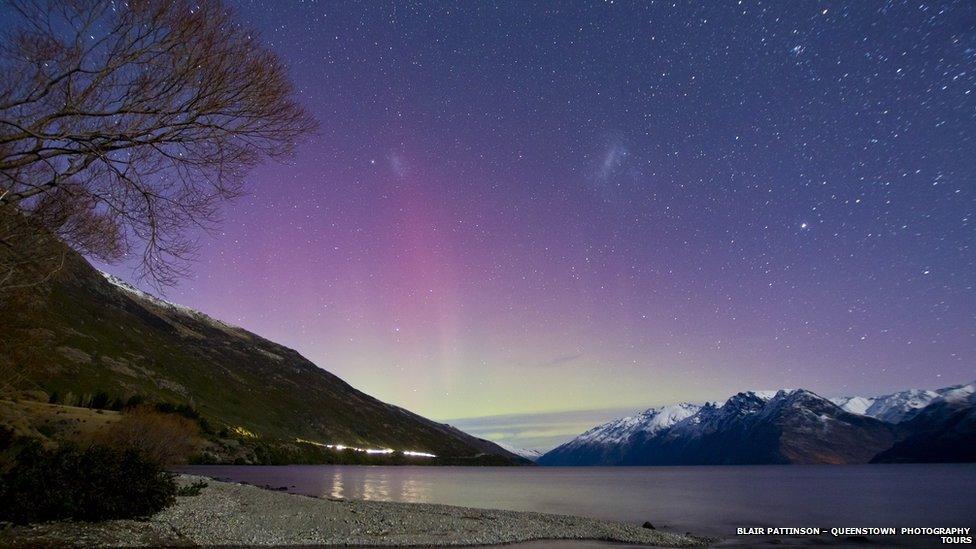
(124, 124)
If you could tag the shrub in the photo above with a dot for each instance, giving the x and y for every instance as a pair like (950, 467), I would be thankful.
(205, 426)
(168, 439)
(99, 401)
(191, 489)
(92, 482)
(8, 447)
(184, 410)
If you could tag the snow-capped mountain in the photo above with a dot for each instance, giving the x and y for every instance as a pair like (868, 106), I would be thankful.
(943, 431)
(526, 453)
(602, 443)
(958, 393)
(786, 426)
(854, 405)
(890, 408)
(795, 426)
(649, 422)
(897, 407)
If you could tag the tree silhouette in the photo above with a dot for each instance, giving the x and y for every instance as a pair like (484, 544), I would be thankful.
(124, 124)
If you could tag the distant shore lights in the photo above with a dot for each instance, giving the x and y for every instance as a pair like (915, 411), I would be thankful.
(341, 447)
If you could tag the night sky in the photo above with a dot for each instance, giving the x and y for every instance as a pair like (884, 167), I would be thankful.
(514, 208)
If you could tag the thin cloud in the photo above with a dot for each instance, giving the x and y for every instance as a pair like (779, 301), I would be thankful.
(542, 431)
(562, 359)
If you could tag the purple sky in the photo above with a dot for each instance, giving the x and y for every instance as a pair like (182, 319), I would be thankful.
(518, 208)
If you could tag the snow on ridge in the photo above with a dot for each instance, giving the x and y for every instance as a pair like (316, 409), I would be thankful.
(528, 454)
(855, 405)
(765, 394)
(896, 407)
(654, 420)
(891, 408)
(119, 283)
(669, 415)
(649, 421)
(957, 393)
(159, 302)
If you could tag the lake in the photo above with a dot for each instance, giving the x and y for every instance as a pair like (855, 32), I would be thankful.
(710, 501)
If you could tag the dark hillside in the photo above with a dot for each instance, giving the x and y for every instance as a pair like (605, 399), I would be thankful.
(79, 335)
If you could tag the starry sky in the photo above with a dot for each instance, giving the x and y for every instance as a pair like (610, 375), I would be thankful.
(528, 208)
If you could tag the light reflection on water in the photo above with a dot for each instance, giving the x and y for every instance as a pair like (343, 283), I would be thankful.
(705, 500)
(337, 492)
(376, 484)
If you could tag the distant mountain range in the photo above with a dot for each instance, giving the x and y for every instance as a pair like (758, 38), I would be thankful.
(889, 408)
(786, 426)
(528, 454)
(83, 333)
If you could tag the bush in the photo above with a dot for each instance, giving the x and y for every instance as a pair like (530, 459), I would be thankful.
(99, 401)
(191, 490)
(184, 410)
(163, 438)
(90, 483)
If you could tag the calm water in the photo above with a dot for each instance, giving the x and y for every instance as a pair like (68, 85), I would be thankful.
(703, 500)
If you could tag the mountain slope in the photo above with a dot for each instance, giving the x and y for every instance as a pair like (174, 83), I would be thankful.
(526, 453)
(943, 431)
(750, 428)
(891, 408)
(80, 334)
(854, 405)
(608, 444)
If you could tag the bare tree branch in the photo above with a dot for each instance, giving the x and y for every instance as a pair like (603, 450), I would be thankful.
(124, 124)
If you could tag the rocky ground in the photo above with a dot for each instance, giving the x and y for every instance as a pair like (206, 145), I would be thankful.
(237, 514)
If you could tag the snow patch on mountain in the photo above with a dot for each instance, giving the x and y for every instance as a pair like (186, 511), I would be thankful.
(753, 396)
(959, 393)
(129, 288)
(162, 303)
(766, 395)
(528, 454)
(894, 407)
(785, 426)
(899, 406)
(689, 418)
(648, 422)
(854, 405)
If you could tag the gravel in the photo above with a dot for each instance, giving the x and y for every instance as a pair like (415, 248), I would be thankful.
(239, 514)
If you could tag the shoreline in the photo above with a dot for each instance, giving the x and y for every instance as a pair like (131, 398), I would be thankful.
(226, 513)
